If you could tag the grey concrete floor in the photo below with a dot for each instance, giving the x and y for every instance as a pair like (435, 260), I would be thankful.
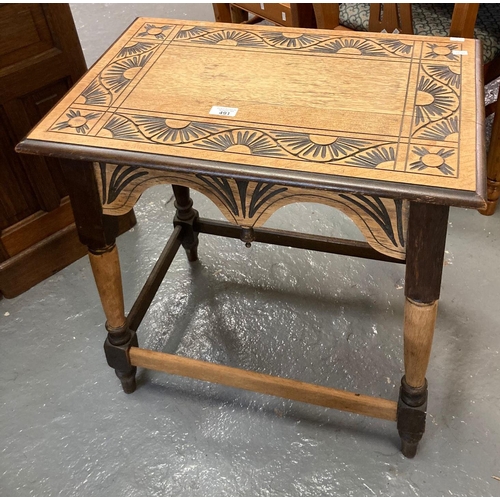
(68, 429)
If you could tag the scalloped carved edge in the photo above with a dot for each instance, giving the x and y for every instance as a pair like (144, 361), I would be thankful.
(382, 221)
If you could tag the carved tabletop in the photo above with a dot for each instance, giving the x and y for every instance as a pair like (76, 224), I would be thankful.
(384, 112)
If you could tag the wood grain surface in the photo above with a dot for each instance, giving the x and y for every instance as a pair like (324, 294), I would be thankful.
(420, 320)
(379, 107)
(266, 384)
(106, 269)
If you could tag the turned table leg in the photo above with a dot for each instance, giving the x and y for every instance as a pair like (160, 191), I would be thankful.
(106, 268)
(98, 232)
(427, 228)
(186, 216)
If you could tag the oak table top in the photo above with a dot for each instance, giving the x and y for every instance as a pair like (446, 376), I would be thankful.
(396, 115)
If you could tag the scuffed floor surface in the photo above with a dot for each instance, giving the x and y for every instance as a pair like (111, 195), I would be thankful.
(68, 429)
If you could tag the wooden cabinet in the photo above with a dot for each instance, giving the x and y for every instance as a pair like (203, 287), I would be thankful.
(40, 59)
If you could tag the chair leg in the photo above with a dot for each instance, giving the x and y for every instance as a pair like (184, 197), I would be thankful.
(238, 15)
(228, 13)
(493, 165)
(222, 12)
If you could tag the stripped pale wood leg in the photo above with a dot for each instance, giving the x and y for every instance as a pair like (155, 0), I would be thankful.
(419, 331)
(105, 265)
(424, 262)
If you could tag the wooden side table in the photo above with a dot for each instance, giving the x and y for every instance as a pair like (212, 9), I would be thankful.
(388, 129)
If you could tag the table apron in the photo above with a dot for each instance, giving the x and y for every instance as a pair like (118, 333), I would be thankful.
(248, 204)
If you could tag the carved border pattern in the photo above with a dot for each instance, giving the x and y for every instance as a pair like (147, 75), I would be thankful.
(154, 31)
(118, 74)
(332, 149)
(437, 96)
(382, 221)
(306, 42)
(440, 51)
(437, 102)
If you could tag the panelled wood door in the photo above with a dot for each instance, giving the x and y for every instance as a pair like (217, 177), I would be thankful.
(40, 59)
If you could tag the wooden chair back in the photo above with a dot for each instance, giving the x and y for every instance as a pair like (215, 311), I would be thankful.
(391, 16)
(464, 19)
(300, 15)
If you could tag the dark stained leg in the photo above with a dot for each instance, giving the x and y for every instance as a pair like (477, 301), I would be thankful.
(186, 216)
(98, 232)
(424, 264)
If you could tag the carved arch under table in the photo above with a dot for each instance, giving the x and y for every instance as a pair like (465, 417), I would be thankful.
(248, 204)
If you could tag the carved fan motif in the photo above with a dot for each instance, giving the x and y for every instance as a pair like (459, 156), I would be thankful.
(250, 203)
